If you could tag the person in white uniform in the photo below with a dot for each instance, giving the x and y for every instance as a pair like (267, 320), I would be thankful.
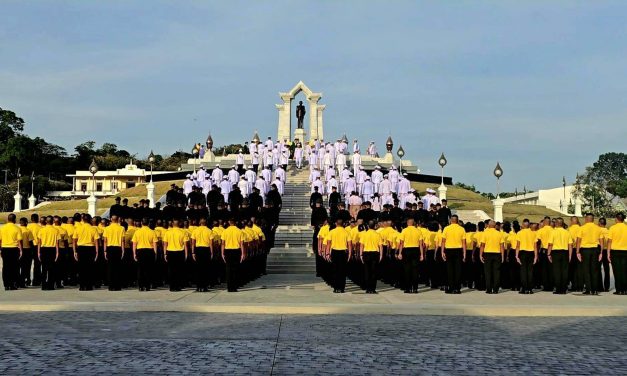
(356, 162)
(367, 190)
(298, 156)
(377, 178)
(217, 175)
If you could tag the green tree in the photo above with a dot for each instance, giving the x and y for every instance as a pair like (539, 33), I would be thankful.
(602, 185)
(10, 124)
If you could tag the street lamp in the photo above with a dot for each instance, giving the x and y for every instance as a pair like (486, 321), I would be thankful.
(91, 200)
(18, 196)
(498, 172)
(150, 187)
(400, 153)
(32, 200)
(195, 152)
(442, 189)
(564, 185)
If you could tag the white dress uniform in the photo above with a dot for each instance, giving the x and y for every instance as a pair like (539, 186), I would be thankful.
(356, 162)
(217, 175)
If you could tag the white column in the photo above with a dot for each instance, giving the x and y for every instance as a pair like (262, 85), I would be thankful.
(498, 209)
(91, 204)
(31, 201)
(577, 207)
(285, 117)
(150, 188)
(18, 202)
(313, 116)
(321, 108)
(442, 192)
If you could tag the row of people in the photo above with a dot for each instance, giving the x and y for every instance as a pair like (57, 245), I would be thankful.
(92, 252)
(547, 255)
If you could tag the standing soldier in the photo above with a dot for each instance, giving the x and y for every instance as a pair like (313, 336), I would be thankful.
(86, 252)
(26, 261)
(617, 253)
(588, 250)
(175, 244)
(233, 253)
(492, 255)
(411, 252)
(341, 251)
(145, 253)
(34, 228)
(544, 235)
(62, 265)
(575, 270)
(113, 250)
(526, 256)
(48, 253)
(11, 243)
(560, 249)
(202, 248)
(454, 253)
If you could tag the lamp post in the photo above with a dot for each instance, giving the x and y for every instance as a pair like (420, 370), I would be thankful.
(18, 197)
(195, 152)
(400, 152)
(498, 202)
(31, 200)
(91, 200)
(442, 189)
(150, 187)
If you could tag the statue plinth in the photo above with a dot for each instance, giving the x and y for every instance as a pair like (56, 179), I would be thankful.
(299, 133)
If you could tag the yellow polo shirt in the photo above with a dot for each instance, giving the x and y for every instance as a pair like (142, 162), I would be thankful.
(69, 229)
(355, 234)
(48, 236)
(339, 239)
(323, 232)
(259, 232)
(144, 238)
(62, 234)
(10, 235)
(470, 240)
(250, 234)
(454, 234)
(34, 229)
(527, 239)
(114, 233)
(492, 240)
(27, 237)
(159, 231)
(411, 237)
(176, 238)
(618, 235)
(371, 240)
(590, 235)
(512, 239)
(217, 231)
(429, 239)
(86, 235)
(544, 235)
(561, 239)
(128, 236)
(203, 236)
(232, 237)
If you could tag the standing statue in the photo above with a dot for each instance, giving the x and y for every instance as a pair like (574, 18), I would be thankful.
(300, 114)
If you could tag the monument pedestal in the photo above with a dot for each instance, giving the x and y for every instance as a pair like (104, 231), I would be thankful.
(498, 209)
(91, 204)
(442, 192)
(31, 201)
(299, 133)
(18, 202)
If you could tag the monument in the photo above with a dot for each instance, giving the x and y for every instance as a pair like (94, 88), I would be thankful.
(315, 114)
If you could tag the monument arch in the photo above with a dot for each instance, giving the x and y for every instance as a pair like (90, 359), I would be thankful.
(315, 130)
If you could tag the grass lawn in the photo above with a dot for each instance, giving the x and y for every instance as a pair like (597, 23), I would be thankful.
(68, 208)
(463, 199)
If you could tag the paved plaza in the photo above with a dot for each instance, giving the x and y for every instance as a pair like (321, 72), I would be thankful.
(292, 324)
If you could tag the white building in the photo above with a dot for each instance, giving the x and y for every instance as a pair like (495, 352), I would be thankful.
(557, 199)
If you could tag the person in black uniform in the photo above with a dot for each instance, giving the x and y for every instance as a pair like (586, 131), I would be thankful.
(314, 198)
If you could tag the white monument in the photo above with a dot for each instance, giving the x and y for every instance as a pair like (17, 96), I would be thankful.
(315, 114)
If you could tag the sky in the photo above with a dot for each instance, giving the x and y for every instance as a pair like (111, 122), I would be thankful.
(540, 87)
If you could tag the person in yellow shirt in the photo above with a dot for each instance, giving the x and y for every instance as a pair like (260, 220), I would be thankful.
(114, 247)
(513, 267)
(233, 254)
(48, 253)
(144, 253)
(526, 256)
(69, 269)
(371, 254)
(410, 252)
(26, 261)
(454, 253)
(34, 226)
(263, 251)
(431, 266)
(11, 244)
(86, 252)
(468, 279)
(575, 269)
(604, 274)
(129, 265)
(559, 252)
(321, 250)
(617, 253)
(545, 269)
(589, 241)
(160, 269)
(202, 245)
(492, 255)
(339, 243)
(61, 266)
(175, 245)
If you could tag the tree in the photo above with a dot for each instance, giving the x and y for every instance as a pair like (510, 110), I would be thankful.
(603, 184)
(10, 124)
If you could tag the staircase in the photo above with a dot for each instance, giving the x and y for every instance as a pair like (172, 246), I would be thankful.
(293, 241)
(471, 216)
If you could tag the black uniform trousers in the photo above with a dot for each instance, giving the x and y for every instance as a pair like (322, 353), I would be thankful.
(492, 265)
(176, 269)
(63, 265)
(619, 265)
(86, 266)
(339, 258)
(454, 258)
(546, 271)
(145, 267)
(604, 277)
(560, 269)
(114, 267)
(48, 256)
(591, 269)
(10, 267)
(526, 269)
(203, 266)
(411, 256)
(26, 263)
(232, 257)
(371, 261)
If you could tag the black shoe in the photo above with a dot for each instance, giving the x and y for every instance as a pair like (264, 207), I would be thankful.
(556, 292)
(489, 292)
(374, 292)
(530, 292)
(407, 291)
(594, 293)
(586, 292)
(522, 292)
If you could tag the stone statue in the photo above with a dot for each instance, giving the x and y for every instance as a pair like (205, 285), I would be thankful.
(300, 114)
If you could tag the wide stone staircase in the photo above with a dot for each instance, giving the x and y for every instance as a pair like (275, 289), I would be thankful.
(292, 253)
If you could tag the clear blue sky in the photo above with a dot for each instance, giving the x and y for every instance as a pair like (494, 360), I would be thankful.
(539, 86)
